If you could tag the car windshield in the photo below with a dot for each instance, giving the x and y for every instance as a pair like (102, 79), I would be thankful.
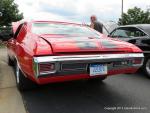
(63, 29)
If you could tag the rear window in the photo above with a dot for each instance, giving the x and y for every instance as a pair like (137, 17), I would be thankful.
(63, 29)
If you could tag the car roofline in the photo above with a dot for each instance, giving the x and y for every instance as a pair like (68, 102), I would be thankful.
(61, 22)
(46, 21)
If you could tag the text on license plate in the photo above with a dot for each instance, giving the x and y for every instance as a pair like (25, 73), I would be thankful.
(98, 69)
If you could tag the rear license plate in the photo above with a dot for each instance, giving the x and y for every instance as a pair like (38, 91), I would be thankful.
(98, 69)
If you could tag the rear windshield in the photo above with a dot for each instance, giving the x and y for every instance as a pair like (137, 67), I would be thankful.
(63, 29)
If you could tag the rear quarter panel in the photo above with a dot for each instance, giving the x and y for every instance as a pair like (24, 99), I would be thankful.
(20, 49)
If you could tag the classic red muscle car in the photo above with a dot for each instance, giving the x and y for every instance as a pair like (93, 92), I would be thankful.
(48, 51)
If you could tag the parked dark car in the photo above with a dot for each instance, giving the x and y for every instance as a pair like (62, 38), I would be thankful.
(138, 35)
(5, 33)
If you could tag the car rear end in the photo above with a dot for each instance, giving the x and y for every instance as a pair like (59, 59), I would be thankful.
(72, 67)
(78, 52)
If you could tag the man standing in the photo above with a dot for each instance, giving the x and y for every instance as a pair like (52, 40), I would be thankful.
(95, 24)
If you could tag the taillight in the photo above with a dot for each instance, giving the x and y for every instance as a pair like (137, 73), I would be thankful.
(137, 61)
(120, 63)
(43, 68)
(46, 68)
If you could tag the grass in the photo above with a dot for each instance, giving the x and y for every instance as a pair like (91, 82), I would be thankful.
(2, 44)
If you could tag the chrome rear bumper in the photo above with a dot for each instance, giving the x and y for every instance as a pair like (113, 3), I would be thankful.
(88, 59)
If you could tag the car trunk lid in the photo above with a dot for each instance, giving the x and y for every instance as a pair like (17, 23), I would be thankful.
(63, 44)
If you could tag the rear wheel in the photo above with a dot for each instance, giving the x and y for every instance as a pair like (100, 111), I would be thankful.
(9, 61)
(147, 66)
(22, 82)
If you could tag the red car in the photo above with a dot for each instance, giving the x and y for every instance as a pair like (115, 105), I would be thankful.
(47, 52)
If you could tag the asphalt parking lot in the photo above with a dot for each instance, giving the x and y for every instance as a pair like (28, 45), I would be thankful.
(128, 93)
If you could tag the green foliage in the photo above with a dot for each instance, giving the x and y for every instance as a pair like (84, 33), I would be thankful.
(10, 12)
(135, 16)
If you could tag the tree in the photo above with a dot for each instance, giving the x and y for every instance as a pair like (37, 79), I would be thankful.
(9, 12)
(135, 16)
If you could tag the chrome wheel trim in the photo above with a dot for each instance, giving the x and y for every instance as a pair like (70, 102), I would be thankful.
(17, 74)
(148, 67)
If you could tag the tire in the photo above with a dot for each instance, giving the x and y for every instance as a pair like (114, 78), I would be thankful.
(9, 61)
(146, 66)
(23, 83)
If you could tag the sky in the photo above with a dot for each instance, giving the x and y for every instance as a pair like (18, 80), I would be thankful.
(77, 10)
